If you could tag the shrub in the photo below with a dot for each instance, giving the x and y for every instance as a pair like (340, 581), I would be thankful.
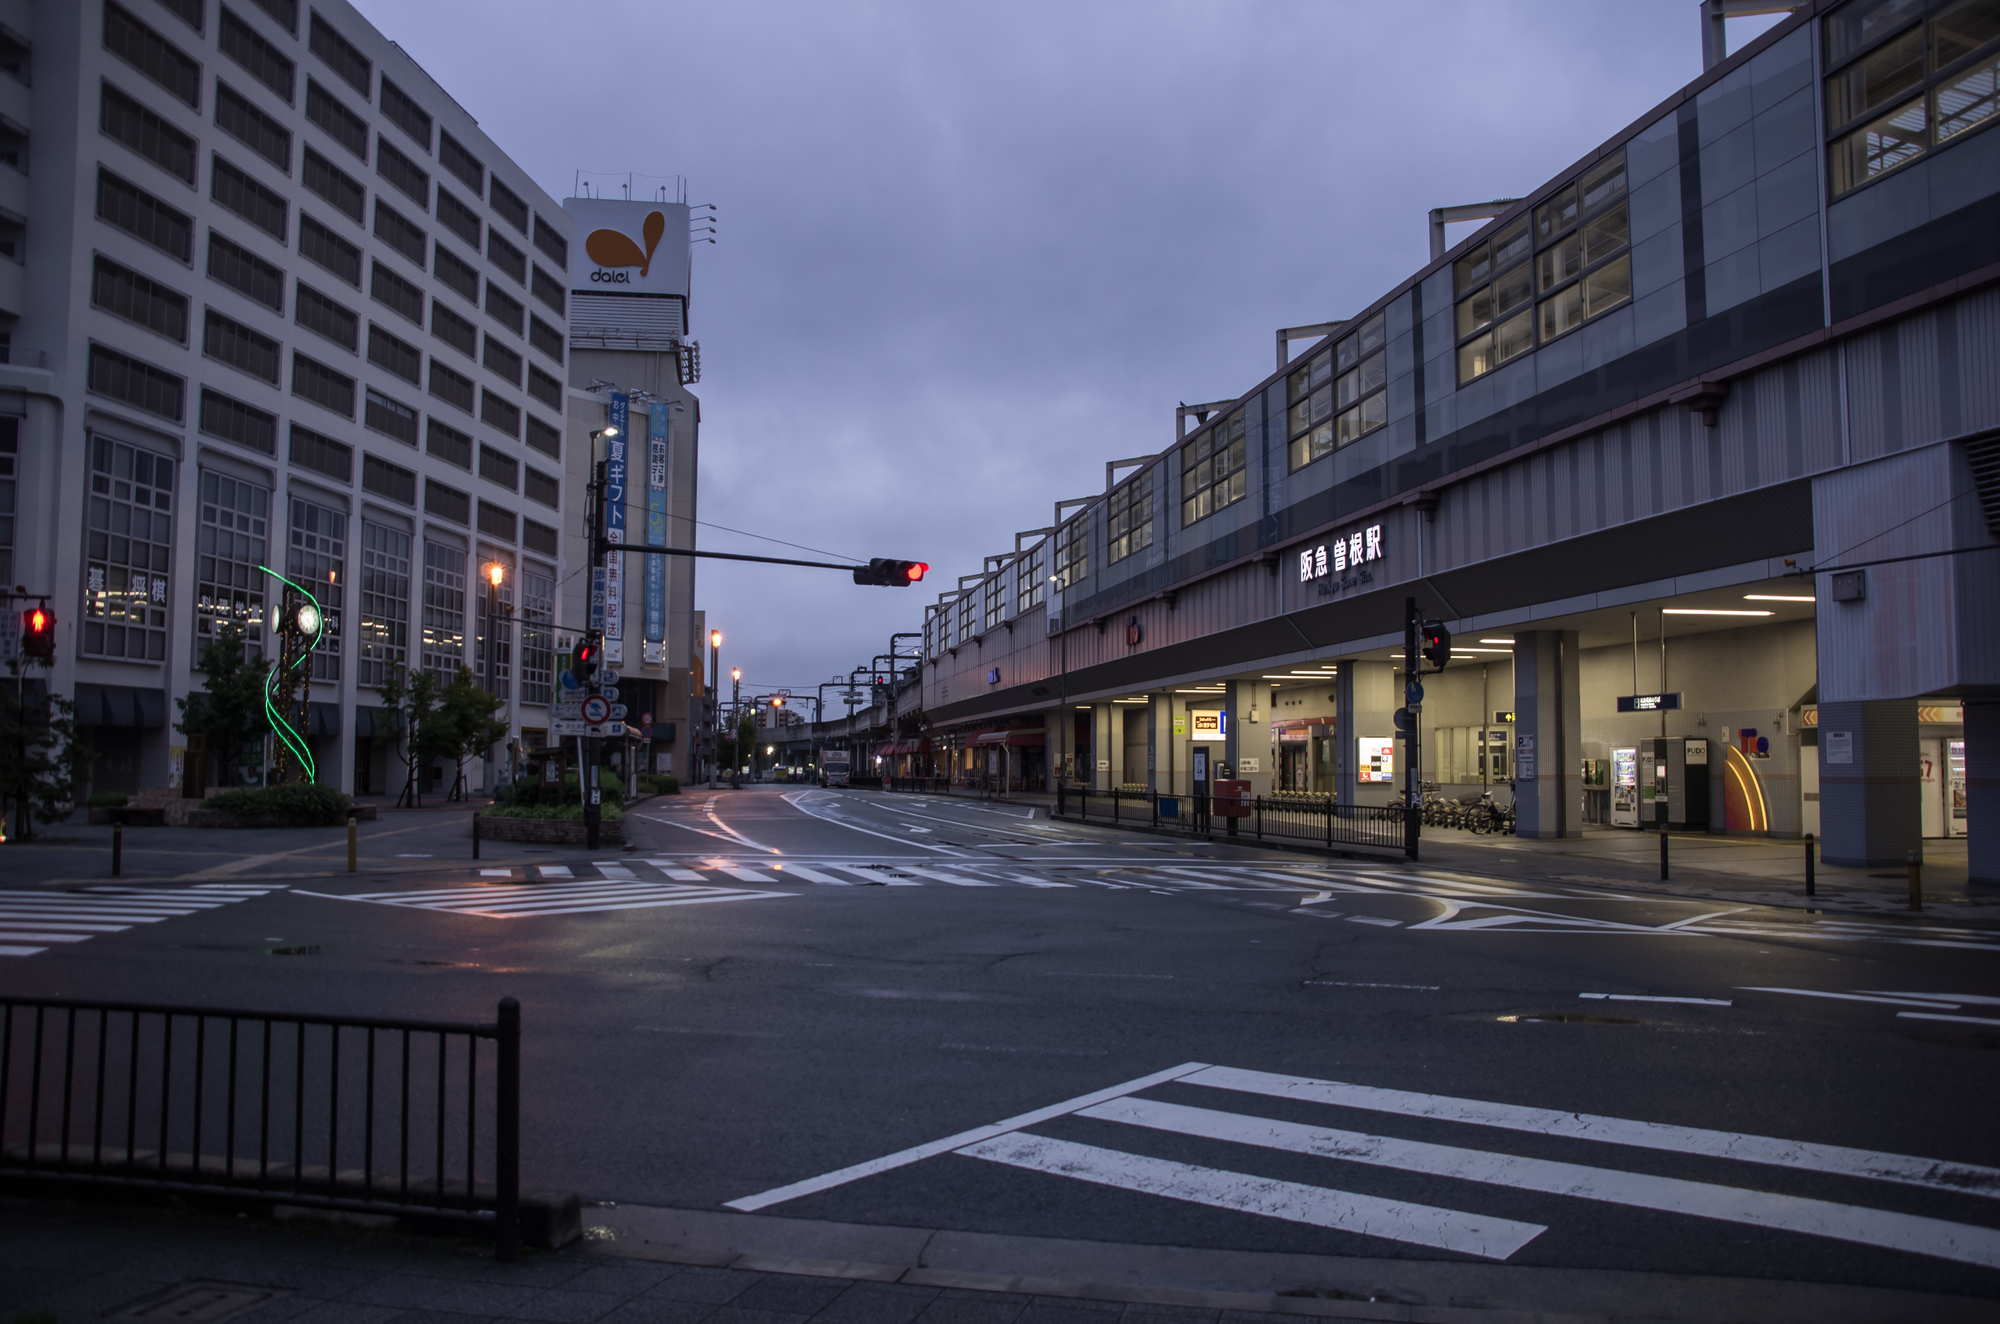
(571, 811)
(108, 800)
(667, 785)
(290, 805)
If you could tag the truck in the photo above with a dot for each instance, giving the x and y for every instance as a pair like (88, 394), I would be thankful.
(833, 767)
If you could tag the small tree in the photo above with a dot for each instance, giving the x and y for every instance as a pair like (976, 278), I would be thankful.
(409, 697)
(466, 724)
(229, 713)
(42, 761)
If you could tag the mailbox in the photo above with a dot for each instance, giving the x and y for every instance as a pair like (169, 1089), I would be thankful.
(1231, 799)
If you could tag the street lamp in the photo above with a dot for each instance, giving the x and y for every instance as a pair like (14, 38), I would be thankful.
(715, 702)
(736, 731)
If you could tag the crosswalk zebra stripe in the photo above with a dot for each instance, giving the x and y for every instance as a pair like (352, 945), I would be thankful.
(50, 937)
(587, 908)
(32, 922)
(940, 876)
(814, 876)
(555, 871)
(1838, 1160)
(1820, 1218)
(676, 872)
(750, 876)
(613, 869)
(1399, 1220)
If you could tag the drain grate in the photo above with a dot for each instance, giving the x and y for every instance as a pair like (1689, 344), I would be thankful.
(202, 1300)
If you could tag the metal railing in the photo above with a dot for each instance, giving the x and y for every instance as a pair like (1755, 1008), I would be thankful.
(365, 1115)
(1290, 818)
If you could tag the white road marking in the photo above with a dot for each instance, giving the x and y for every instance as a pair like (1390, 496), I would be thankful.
(916, 1153)
(1971, 999)
(30, 922)
(554, 871)
(1940, 1016)
(1029, 880)
(676, 872)
(810, 875)
(940, 876)
(1839, 1160)
(528, 900)
(612, 869)
(750, 876)
(1342, 983)
(1849, 997)
(799, 804)
(505, 873)
(1373, 919)
(1869, 1227)
(1396, 1220)
(1641, 997)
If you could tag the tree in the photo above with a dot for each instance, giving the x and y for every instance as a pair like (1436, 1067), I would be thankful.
(409, 697)
(465, 725)
(42, 762)
(229, 713)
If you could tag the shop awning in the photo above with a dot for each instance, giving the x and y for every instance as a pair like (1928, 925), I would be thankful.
(1012, 739)
(884, 751)
(372, 722)
(120, 705)
(324, 720)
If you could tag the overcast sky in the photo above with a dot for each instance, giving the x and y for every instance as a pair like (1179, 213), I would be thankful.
(970, 253)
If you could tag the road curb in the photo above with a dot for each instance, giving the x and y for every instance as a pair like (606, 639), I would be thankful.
(1413, 1291)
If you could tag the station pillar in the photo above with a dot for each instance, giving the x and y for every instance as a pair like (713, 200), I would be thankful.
(1548, 734)
(1982, 793)
(1107, 747)
(1160, 744)
(1870, 801)
(1364, 707)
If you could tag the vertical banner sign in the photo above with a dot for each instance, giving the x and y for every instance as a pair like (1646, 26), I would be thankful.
(614, 529)
(656, 527)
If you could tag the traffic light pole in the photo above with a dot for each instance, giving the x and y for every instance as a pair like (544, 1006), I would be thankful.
(1413, 703)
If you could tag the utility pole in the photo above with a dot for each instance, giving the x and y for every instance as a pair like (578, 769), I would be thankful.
(1413, 703)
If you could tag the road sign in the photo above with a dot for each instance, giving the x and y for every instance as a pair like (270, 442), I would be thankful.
(566, 710)
(618, 710)
(607, 676)
(568, 726)
(610, 693)
(645, 719)
(615, 730)
(596, 709)
(569, 681)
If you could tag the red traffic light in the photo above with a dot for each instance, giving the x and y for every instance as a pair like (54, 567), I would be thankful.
(915, 570)
(1437, 645)
(891, 574)
(38, 633)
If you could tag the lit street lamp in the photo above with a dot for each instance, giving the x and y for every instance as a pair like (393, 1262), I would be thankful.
(715, 703)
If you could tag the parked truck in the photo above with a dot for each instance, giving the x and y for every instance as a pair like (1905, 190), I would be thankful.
(833, 766)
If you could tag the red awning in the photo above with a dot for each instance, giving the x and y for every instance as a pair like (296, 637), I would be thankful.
(885, 751)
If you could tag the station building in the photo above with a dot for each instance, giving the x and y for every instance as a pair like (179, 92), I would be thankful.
(271, 300)
(1695, 449)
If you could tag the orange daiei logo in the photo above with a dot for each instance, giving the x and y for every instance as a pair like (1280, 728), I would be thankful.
(614, 248)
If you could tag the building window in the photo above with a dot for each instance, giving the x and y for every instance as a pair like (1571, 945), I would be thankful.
(1902, 83)
(538, 615)
(334, 184)
(499, 467)
(504, 308)
(230, 555)
(402, 173)
(457, 274)
(341, 124)
(550, 291)
(1129, 521)
(510, 206)
(1212, 473)
(506, 257)
(994, 593)
(544, 437)
(246, 273)
(1339, 396)
(401, 233)
(151, 54)
(243, 195)
(1033, 572)
(1494, 320)
(340, 54)
(1582, 266)
(448, 444)
(502, 414)
(454, 330)
(388, 480)
(144, 216)
(462, 164)
(546, 339)
(328, 249)
(314, 381)
(551, 243)
(228, 341)
(187, 11)
(543, 489)
(142, 130)
(322, 455)
(538, 537)
(545, 388)
(141, 385)
(406, 114)
(503, 361)
(395, 355)
(497, 521)
(10, 451)
(399, 296)
(129, 552)
(451, 387)
(390, 417)
(385, 601)
(493, 646)
(317, 561)
(250, 126)
(458, 218)
(127, 294)
(263, 61)
(1073, 551)
(446, 502)
(444, 609)
(317, 313)
(285, 12)
(232, 420)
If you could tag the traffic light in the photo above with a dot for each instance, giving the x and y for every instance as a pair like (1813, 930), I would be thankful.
(1437, 645)
(38, 633)
(890, 574)
(587, 661)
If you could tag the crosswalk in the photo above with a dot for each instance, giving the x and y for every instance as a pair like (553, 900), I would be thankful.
(33, 922)
(1349, 1191)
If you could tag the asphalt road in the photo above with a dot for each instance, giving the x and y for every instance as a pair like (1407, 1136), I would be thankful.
(817, 1005)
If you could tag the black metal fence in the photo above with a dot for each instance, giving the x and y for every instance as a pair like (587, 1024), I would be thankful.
(1285, 818)
(379, 1116)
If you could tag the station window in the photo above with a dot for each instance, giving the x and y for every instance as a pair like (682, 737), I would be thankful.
(1073, 551)
(1212, 473)
(968, 615)
(1582, 263)
(1340, 396)
(1495, 321)
(994, 592)
(1033, 569)
(1906, 78)
(1129, 526)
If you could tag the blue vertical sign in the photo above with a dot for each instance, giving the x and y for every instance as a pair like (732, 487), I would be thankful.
(656, 528)
(618, 447)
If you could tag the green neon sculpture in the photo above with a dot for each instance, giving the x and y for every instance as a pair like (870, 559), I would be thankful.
(281, 675)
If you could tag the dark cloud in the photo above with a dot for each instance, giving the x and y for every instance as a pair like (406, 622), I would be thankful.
(970, 253)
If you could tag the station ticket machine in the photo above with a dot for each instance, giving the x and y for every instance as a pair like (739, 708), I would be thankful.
(1662, 781)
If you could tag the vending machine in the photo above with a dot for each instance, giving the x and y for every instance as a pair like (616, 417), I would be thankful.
(1679, 791)
(1625, 788)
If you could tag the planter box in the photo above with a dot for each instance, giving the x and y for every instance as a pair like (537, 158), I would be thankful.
(549, 831)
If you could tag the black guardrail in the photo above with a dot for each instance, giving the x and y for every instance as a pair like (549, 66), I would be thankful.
(364, 1115)
(1285, 818)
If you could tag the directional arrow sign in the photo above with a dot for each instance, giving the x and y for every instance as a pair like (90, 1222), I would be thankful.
(563, 726)
(610, 693)
(608, 676)
(596, 709)
(618, 710)
(560, 711)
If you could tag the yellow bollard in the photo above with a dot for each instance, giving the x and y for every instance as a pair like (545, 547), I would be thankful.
(1916, 881)
(350, 843)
